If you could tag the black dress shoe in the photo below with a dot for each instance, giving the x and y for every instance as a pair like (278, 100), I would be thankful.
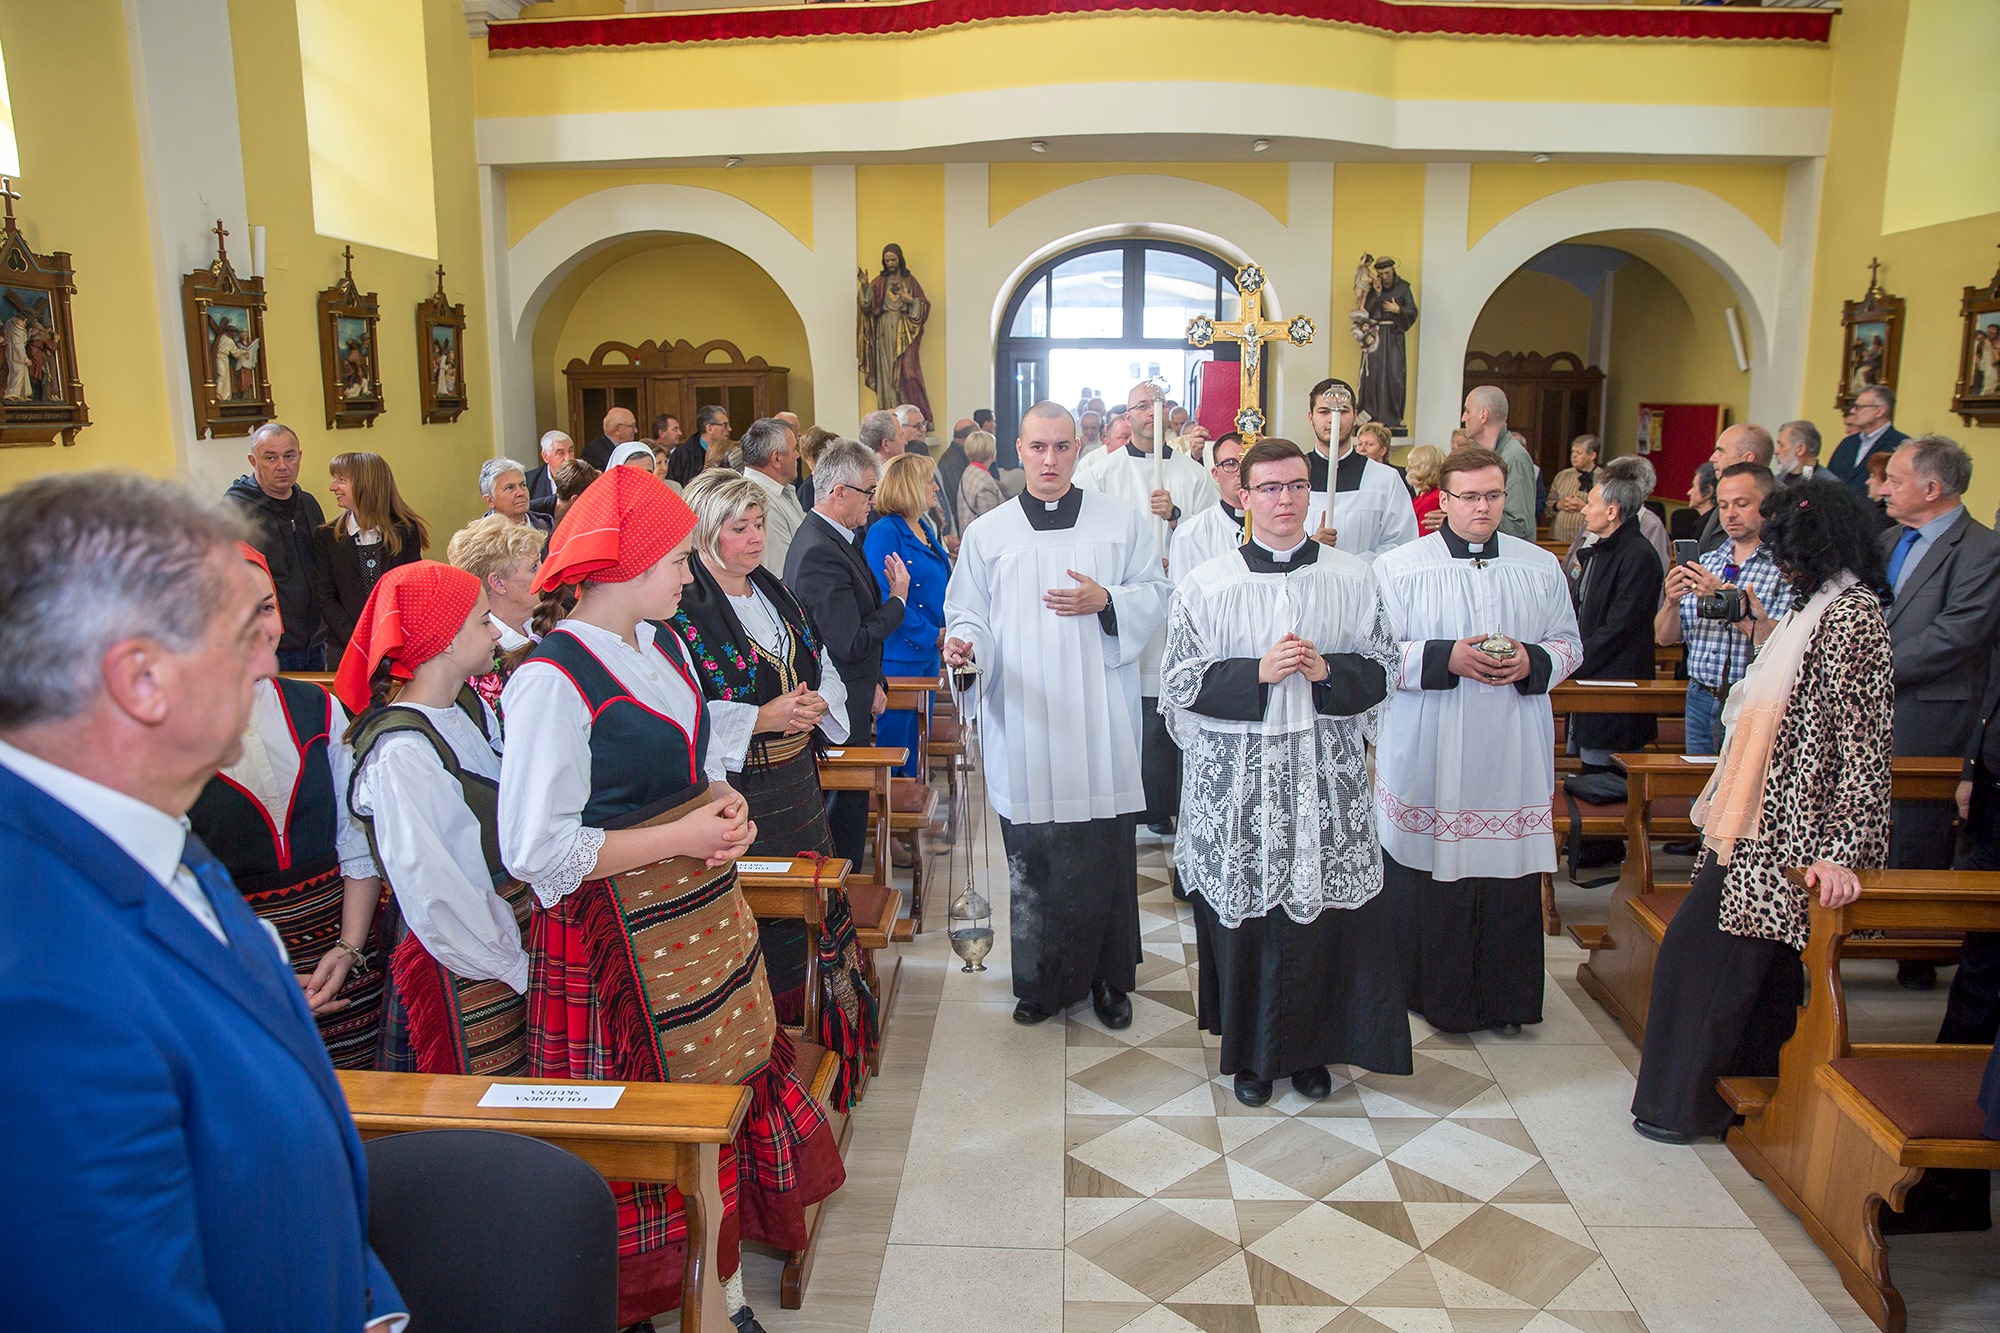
(745, 1320)
(1505, 1029)
(1315, 1083)
(1028, 1012)
(1916, 975)
(1661, 1134)
(1252, 1091)
(1163, 827)
(1113, 1006)
(1683, 847)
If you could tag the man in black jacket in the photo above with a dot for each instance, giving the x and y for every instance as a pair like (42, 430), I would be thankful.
(828, 572)
(284, 517)
(1870, 431)
(620, 427)
(557, 449)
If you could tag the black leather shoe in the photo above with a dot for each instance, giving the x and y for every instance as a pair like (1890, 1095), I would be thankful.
(1661, 1134)
(1162, 827)
(745, 1320)
(1113, 1006)
(1252, 1091)
(1683, 847)
(1916, 976)
(1505, 1029)
(1314, 1083)
(1028, 1012)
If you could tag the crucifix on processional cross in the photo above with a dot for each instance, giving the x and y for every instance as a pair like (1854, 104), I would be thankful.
(1252, 331)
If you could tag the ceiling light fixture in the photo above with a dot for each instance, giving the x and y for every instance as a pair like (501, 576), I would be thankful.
(732, 161)
(1260, 145)
(1541, 157)
(1039, 145)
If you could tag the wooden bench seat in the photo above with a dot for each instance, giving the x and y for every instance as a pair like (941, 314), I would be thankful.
(1845, 1128)
(1618, 974)
(669, 1133)
(816, 1067)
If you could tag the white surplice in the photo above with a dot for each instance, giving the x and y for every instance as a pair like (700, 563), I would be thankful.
(430, 846)
(1464, 775)
(1275, 813)
(1373, 517)
(1212, 532)
(268, 769)
(1124, 475)
(1060, 722)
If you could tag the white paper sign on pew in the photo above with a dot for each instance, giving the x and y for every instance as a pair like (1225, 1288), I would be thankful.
(552, 1096)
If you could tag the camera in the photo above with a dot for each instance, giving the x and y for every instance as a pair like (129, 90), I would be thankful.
(1725, 604)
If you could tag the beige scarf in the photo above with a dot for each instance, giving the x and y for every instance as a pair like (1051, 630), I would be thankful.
(1731, 807)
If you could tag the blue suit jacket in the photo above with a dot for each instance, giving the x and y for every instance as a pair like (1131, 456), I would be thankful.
(1847, 468)
(914, 645)
(179, 1153)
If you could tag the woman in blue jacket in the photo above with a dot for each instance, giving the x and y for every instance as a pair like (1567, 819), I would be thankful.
(908, 488)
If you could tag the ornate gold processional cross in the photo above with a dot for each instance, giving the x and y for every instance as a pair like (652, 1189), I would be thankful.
(1253, 331)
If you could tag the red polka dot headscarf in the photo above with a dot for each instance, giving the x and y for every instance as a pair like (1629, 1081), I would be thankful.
(413, 614)
(620, 527)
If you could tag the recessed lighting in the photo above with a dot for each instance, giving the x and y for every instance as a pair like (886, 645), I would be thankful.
(1039, 145)
(1541, 157)
(1260, 145)
(732, 161)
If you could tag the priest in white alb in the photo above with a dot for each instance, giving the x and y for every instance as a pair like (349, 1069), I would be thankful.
(1465, 769)
(1359, 505)
(1055, 595)
(1278, 659)
(1184, 490)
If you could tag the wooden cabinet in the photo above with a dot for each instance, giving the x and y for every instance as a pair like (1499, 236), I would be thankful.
(1550, 399)
(677, 377)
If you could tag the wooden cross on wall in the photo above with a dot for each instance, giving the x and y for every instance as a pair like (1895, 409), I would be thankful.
(1252, 331)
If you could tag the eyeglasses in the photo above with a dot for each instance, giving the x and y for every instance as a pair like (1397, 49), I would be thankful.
(1478, 497)
(1228, 466)
(868, 491)
(1271, 490)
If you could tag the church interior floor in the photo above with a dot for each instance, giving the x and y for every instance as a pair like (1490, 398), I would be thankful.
(1069, 1177)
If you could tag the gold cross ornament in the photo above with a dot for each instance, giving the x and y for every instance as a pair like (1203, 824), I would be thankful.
(1252, 331)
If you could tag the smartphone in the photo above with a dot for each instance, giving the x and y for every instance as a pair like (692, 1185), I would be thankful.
(1687, 553)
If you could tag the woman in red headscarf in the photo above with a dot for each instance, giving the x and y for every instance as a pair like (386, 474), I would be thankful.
(640, 970)
(426, 789)
(277, 818)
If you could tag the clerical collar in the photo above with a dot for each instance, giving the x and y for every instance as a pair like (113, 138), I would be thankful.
(1261, 559)
(1052, 515)
(1231, 510)
(1346, 474)
(1461, 549)
(1136, 451)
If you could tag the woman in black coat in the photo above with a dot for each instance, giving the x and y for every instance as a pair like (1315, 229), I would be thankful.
(373, 532)
(1617, 591)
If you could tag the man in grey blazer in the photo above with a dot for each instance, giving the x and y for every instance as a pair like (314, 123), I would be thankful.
(1944, 567)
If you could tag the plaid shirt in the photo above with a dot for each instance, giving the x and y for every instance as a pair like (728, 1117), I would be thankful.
(1710, 643)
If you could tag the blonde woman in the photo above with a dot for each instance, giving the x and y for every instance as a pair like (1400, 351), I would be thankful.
(977, 490)
(1424, 463)
(909, 488)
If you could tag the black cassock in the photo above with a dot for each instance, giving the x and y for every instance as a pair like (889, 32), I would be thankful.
(1472, 948)
(1385, 372)
(1073, 913)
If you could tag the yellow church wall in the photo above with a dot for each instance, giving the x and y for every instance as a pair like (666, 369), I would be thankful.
(1926, 266)
(1501, 189)
(436, 466)
(1378, 209)
(1533, 312)
(784, 194)
(1031, 52)
(1669, 342)
(905, 205)
(698, 290)
(1009, 185)
(83, 191)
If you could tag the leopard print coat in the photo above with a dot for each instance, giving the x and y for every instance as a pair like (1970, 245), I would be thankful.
(1827, 793)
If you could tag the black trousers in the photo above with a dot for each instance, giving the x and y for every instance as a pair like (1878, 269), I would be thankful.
(1159, 766)
(1972, 1013)
(1721, 1004)
(847, 811)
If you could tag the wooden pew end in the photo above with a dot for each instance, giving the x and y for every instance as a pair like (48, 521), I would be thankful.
(1589, 937)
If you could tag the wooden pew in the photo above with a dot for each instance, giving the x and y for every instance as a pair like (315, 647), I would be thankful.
(1618, 974)
(1846, 1128)
(866, 768)
(914, 801)
(669, 1133)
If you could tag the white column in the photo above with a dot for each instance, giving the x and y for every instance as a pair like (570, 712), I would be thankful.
(1305, 282)
(191, 154)
(1448, 313)
(510, 364)
(1778, 356)
(829, 313)
(970, 313)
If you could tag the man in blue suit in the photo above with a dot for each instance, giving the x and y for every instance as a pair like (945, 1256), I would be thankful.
(179, 1153)
(1871, 430)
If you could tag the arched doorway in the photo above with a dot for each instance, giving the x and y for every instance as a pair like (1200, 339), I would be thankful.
(1105, 316)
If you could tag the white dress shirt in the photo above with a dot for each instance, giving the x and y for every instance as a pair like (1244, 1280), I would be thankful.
(545, 776)
(269, 770)
(430, 846)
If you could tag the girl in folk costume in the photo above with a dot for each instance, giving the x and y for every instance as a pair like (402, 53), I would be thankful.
(426, 789)
(770, 685)
(277, 819)
(637, 969)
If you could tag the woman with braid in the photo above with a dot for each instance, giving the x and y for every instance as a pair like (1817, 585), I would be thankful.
(426, 789)
(639, 970)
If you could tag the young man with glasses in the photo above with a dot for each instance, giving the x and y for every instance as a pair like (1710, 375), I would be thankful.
(1278, 655)
(1359, 505)
(1465, 768)
(1219, 528)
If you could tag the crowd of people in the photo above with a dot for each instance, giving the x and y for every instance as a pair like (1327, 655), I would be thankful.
(540, 757)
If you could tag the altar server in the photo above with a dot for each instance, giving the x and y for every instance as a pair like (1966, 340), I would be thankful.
(608, 772)
(1466, 767)
(426, 790)
(1055, 595)
(1278, 655)
(1369, 505)
(1184, 491)
(277, 820)
(1218, 528)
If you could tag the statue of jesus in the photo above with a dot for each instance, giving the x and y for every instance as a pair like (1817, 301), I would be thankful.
(893, 309)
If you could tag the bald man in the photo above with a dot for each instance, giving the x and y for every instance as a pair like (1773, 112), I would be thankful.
(620, 427)
(1485, 422)
(1743, 443)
